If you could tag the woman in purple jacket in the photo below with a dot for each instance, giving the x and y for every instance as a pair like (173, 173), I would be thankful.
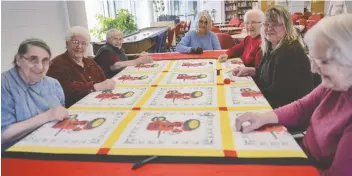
(326, 112)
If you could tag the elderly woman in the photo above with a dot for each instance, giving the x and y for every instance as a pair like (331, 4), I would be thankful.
(195, 41)
(284, 72)
(249, 49)
(28, 97)
(78, 74)
(326, 111)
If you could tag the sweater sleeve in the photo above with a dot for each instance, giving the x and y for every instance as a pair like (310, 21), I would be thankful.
(258, 57)
(237, 50)
(184, 45)
(298, 113)
(291, 78)
(215, 42)
(341, 164)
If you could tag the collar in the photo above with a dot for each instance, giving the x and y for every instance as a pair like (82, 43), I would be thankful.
(37, 87)
(85, 61)
(118, 50)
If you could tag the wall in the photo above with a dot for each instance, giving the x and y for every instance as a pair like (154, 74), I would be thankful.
(47, 20)
(21, 20)
(219, 7)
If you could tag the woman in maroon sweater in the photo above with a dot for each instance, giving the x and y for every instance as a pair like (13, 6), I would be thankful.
(249, 49)
(326, 112)
(77, 74)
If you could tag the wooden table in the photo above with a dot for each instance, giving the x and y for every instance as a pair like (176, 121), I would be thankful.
(55, 164)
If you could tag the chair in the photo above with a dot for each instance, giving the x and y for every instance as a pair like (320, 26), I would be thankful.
(177, 32)
(225, 40)
(170, 39)
(235, 22)
(215, 29)
(315, 17)
(242, 25)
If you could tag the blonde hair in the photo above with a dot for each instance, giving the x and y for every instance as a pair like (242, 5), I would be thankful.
(336, 31)
(77, 30)
(207, 16)
(279, 13)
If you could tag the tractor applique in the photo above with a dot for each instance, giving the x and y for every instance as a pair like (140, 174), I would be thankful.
(73, 124)
(174, 95)
(248, 92)
(108, 94)
(190, 77)
(146, 66)
(189, 64)
(132, 78)
(160, 124)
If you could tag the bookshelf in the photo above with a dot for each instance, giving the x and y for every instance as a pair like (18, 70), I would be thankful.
(237, 8)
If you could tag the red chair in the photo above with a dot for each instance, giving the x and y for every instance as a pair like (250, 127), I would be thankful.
(242, 25)
(170, 39)
(315, 17)
(178, 32)
(235, 22)
(298, 13)
(309, 26)
(225, 40)
(215, 29)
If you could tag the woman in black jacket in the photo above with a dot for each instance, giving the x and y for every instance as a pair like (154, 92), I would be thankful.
(284, 73)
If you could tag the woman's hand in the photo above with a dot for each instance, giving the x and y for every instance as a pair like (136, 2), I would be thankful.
(58, 113)
(223, 58)
(248, 122)
(243, 71)
(108, 84)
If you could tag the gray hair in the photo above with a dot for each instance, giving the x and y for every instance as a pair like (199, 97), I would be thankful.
(279, 13)
(23, 48)
(337, 32)
(110, 33)
(207, 16)
(77, 30)
(254, 11)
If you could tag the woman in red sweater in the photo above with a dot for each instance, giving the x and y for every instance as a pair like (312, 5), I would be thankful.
(249, 49)
(326, 112)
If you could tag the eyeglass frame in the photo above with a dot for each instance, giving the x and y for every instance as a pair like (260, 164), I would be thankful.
(253, 22)
(35, 58)
(83, 43)
(277, 25)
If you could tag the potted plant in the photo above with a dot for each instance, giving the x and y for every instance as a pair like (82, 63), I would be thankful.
(123, 21)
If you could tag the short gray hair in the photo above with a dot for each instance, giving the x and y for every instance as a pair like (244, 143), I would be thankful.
(207, 16)
(280, 13)
(77, 30)
(254, 11)
(337, 32)
(110, 33)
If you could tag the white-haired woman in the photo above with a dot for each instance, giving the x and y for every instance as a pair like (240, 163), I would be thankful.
(249, 49)
(77, 74)
(326, 112)
(28, 97)
(195, 41)
(283, 74)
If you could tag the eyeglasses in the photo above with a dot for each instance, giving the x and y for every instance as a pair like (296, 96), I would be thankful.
(77, 42)
(273, 25)
(35, 61)
(203, 22)
(252, 23)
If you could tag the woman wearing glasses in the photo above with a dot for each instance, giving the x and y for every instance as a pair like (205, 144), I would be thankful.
(283, 74)
(195, 41)
(326, 112)
(249, 49)
(28, 97)
(78, 74)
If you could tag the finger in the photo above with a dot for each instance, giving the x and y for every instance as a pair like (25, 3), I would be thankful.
(241, 119)
(251, 127)
(242, 72)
